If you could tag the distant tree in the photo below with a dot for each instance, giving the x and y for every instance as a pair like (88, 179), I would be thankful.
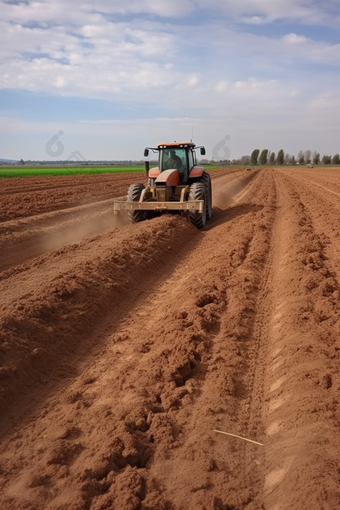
(21, 162)
(272, 158)
(307, 155)
(280, 157)
(292, 160)
(316, 157)
(254, 156)
(245, 160)
(301, 158)
(326, 160)
(287, 159)
(263, 157)
(336, 159)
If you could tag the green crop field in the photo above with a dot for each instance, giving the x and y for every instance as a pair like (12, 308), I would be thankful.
(36, 171)
(52, 171)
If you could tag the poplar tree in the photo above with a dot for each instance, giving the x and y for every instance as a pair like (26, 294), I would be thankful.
(280, 157)
(263, 157)
(254, 156)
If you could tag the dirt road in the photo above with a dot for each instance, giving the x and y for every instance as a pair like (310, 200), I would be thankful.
(125, 350)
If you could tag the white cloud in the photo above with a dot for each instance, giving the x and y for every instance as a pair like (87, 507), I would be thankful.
(313, 12)
(253, 20)
(109, 58)
(154, 53)
(295, 39)
(316, 12)
(326, 102)
(86, 12)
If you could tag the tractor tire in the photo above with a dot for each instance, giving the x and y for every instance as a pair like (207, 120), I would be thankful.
(134, 193)
(206, 179)
(197, 192)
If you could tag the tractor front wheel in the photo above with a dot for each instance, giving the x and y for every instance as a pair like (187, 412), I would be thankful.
(197, 192)
(134, 193)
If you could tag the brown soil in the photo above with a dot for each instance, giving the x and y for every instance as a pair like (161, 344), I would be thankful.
(123, 348)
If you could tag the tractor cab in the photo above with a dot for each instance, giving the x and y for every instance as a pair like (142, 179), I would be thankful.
(180, 156)
(174, 157)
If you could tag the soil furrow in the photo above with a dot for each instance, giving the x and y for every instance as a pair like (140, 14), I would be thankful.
(68, 293)
(301, 378)
(327, 223)
(121, 355)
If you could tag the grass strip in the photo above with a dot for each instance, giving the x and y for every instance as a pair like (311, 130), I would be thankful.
(52, 171)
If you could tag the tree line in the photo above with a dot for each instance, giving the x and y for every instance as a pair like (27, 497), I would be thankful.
(306, 157)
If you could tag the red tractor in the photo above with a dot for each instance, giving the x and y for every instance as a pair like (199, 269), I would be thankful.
(177, 184)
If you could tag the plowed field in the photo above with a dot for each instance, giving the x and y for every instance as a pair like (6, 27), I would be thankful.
(124, 349)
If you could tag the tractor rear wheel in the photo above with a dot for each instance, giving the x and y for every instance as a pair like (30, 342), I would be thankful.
(134, 193)
(197, 192)
(206, 179)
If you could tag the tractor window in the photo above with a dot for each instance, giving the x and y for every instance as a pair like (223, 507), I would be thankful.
(174, 158)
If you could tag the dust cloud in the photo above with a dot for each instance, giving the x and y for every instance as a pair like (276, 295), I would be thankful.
(225, 193)
(81, 228)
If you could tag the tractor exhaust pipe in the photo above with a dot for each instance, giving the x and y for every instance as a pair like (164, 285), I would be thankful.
(147, 168)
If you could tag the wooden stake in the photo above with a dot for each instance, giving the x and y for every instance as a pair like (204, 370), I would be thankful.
(238, 437)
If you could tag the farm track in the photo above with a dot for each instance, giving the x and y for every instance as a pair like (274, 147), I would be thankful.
(122, 350)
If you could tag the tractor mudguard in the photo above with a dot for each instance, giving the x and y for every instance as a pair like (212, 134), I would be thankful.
(196, 171)
(154, 172)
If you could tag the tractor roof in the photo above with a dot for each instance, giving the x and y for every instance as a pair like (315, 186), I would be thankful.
(176, 144)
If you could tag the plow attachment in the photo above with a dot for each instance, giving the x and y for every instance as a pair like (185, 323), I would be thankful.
(197, 205)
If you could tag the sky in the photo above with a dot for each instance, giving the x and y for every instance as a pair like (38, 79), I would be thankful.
(101, 80)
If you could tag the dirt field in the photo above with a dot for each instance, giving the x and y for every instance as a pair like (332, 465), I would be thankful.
(123, 348)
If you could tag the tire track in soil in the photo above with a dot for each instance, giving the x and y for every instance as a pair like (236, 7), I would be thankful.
(128, 451)
(301, 382)
(327, 222)
(327, 179)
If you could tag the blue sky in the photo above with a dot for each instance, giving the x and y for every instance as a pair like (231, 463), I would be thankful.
(117, 76)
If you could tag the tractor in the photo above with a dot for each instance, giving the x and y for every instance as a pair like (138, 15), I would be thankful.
(178, 184)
